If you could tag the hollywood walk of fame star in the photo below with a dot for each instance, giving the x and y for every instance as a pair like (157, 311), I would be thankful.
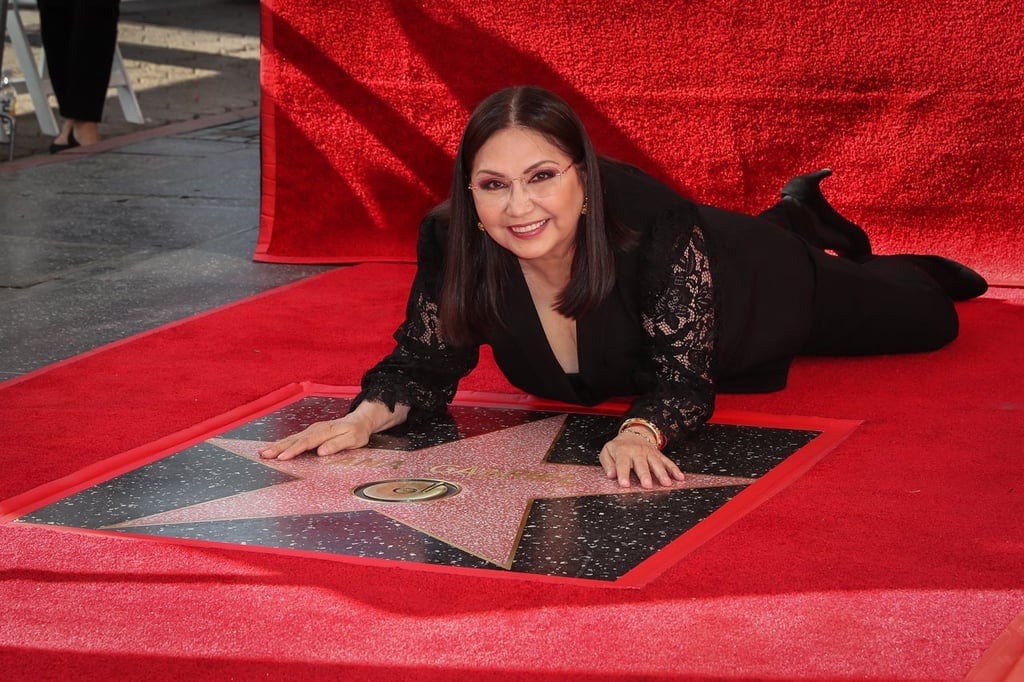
(499, 474)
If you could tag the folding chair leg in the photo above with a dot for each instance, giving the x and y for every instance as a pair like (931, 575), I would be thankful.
(125, 94)
(34, 82)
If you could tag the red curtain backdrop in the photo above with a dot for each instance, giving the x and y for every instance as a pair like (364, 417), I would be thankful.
(917, 106)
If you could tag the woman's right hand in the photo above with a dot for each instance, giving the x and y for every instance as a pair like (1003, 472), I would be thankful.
(350, 432)
(323, 438)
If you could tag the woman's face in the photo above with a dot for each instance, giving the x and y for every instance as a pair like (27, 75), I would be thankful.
(528, 195)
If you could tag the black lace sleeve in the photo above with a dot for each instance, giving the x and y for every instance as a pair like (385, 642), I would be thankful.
(422, 371)
(678, 317)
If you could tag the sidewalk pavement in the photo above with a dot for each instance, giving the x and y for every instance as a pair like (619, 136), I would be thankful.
(155, 223)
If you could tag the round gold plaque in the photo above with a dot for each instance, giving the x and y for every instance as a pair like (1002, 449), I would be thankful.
(407, 490)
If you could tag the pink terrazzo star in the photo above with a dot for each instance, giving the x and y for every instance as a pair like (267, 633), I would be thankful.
(499, 473)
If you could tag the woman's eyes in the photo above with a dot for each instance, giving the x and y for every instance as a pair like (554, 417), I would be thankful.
(539, 176)
(500, 185)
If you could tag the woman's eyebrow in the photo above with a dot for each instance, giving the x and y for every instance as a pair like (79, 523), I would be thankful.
(484, 171)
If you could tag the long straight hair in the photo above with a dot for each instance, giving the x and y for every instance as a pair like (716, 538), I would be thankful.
(476, 268)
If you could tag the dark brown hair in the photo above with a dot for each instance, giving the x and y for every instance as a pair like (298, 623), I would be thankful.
(476, 269)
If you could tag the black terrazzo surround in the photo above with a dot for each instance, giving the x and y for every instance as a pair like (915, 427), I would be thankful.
(595, 537)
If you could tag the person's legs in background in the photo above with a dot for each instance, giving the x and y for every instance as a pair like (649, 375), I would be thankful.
(79, 37)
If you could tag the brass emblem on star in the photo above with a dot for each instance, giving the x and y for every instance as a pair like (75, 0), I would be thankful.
(407, 490)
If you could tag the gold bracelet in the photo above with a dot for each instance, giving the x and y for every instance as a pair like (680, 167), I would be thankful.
(650, 441)
(659, 437)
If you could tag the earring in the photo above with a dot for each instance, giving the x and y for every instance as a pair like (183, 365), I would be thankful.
(583, 211)
(480, 226)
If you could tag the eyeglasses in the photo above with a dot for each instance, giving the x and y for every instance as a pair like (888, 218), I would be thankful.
(538, 184)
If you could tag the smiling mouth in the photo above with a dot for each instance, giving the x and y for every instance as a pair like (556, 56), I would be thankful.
(528, 229)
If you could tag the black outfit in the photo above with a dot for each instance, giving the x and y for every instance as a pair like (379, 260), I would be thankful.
(79, 37)
(710, 300)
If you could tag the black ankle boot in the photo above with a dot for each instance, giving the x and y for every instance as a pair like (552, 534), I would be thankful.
(958, 281)
(830, 231)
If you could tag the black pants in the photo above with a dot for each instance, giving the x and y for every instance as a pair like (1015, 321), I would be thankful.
(884, 304)
(872, 305)
(79, 37)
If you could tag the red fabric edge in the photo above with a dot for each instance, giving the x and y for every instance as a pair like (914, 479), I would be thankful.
(268, 134)
(263, 257)
(833, 432)
(1004, 659)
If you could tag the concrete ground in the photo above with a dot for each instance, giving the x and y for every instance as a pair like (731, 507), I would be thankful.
(157, 222)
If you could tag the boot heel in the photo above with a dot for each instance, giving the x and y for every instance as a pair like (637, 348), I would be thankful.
(832, 230)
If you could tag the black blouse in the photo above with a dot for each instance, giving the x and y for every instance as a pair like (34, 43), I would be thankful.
(660, 335)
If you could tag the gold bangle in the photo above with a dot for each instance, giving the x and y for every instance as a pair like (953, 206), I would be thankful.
(659, 437)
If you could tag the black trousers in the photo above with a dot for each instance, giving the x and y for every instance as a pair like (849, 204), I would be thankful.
(79, 37)
(780, 297)
(883, 304)
(872, 305)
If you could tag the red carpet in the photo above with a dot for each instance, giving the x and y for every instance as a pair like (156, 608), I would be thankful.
(898, 556)
(916, 107)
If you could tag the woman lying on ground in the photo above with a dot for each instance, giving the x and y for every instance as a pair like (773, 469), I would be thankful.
(590, 279)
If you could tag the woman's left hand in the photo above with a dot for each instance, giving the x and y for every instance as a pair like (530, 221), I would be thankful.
(628, 452)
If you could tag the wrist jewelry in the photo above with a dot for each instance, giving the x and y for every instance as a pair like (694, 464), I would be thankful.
(659, 438)
(650, 441)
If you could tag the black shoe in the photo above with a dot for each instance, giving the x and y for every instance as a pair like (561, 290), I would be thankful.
(831, 230)
(958, 281)
(72, 143)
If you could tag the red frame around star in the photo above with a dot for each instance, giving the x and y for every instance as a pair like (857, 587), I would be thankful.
(499, 475)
